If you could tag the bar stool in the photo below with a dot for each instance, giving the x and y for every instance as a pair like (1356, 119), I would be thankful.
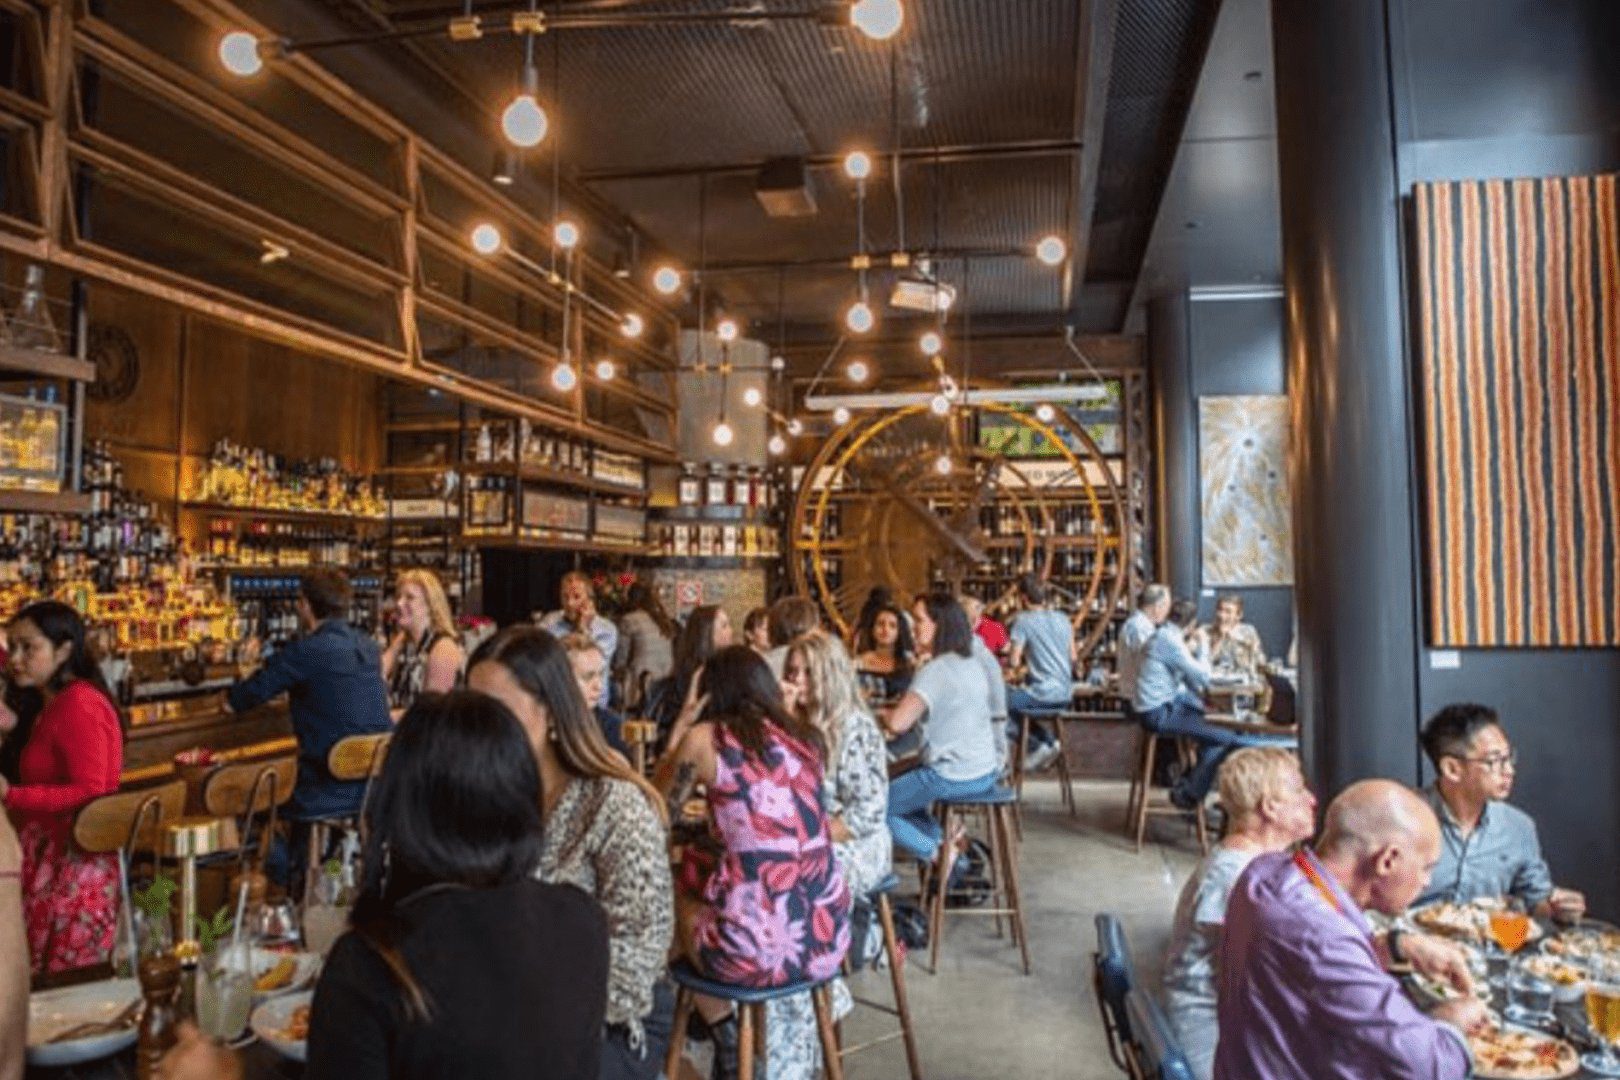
(1056, 715)
(354, 757)
(879, 896)
(997, 806)
(750, 1002)
(1140, 806)
(117, 822)
(246, 790)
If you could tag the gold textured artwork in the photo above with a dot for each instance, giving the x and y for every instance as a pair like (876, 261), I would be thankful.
(1243, 467)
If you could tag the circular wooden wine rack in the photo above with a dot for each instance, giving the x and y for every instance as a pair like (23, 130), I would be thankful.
(874, 508)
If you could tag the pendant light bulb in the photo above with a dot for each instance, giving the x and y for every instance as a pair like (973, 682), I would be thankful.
(726, 330)
(524, 122)
(858, 371)
(666, 279)
(930, 344)
(564, 377)
(939, 404)
(1045, 413)
(605, 370)
(752, 397)
(566, 234)
(239, 53)
(777, 445)
(486, 239)
(778, 362)
(857, 165)
(723, 434)
(795, 427)
(1051, 250)
(840, 415)
(859, 317)
(879, 20)
(942, 465)
(948, 387)
(631, 326)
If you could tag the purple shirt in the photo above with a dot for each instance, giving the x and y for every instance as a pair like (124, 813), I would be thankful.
(1303, 997)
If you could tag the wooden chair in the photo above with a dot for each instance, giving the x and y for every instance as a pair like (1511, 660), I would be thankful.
(1140, 805)
(120, 821)
(356, 757)
(247, 790)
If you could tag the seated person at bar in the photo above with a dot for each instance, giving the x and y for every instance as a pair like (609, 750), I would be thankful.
(424, 655)
(590, 671)
(1302, 993)
(706, 631)
(1268, 808)
(1043, 641)
(757, 630)
(333, 680)
(1152, 608)
(761, 900)
(1489, 848)
(885, 654)
(73, 753)
(790, 617)
(1167, 703)
(457, 962)
(991, 632)
(578, 615)
(1233, 645)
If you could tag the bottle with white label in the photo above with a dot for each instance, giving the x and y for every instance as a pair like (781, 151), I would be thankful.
(690, 490)
(718, 488)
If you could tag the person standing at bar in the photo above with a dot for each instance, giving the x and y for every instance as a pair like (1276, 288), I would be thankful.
(74, 753)
(424, 655)
(578, 615)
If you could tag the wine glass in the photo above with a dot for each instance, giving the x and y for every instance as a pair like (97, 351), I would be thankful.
(1603, 1014)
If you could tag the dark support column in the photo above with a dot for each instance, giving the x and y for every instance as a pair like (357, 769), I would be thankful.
(1175, 421)
(1353, 515)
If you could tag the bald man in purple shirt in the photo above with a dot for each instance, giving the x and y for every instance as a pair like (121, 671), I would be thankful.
(1303, 994)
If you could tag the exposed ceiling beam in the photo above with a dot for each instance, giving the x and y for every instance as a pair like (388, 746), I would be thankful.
(999, 151)
(1094, 67)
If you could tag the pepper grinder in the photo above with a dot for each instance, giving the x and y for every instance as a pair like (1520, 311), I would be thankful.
(159, 975)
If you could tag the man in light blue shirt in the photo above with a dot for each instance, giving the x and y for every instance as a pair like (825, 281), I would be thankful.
(1044, 640)
(579, 616)
(1152, 608)
(1488, 848)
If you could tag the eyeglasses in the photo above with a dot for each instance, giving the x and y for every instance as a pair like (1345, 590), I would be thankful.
(1495, 762)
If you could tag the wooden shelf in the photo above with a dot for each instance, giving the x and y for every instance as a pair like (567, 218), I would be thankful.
(259, 568)
(422, 426)
(593, 547)
(415, 470)
(541, 474)
(322, 516)
(44, 502)
(49, 365)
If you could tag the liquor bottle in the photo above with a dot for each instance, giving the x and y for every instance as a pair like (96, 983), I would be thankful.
(690, 490)
(718, 489)
(31, 326)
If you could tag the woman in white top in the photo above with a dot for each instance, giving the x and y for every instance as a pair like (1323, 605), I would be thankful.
(1268, 808)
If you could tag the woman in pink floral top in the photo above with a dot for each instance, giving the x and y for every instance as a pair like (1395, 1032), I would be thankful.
(760, 900)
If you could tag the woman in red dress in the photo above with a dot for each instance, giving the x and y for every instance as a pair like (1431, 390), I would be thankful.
(74, 753)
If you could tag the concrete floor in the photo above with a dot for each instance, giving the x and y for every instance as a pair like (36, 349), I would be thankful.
(980, 1016)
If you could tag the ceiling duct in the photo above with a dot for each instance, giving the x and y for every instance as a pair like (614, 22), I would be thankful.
(784, 190)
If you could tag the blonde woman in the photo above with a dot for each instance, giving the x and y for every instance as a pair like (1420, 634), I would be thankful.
(1268, 808)
(424, 656)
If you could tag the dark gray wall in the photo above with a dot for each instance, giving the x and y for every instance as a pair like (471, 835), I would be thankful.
(1525, 88)
(1175, 422)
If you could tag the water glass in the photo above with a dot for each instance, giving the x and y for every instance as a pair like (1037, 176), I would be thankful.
(323, 925)
(225, 990)
(1530, 997)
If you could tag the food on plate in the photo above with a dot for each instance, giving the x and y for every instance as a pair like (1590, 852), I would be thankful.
(197, 755)
(297, 1029)
(1583, 944)
(278, 977)
(1517, 1054)
(1555, 970)
(1469, 922)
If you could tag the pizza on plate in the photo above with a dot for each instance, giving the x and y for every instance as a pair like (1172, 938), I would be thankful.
(1468, 922)
(1517, 1054)
(1584, 944)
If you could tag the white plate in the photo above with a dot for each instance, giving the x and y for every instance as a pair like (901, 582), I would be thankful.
(308, 966)
(270, 1019)
(53, 1011)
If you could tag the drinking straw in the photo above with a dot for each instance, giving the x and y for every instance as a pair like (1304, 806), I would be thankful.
(241, 910)
(126, 911)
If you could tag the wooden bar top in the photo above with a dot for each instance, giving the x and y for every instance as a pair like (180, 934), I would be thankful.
(164, 770)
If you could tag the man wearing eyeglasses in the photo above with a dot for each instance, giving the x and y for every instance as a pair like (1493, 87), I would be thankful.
(1488, 848)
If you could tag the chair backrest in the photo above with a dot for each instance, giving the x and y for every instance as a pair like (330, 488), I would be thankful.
(358, 757)
(1153, 1044)
(228, 790)
(128, 819)
(1112, 978)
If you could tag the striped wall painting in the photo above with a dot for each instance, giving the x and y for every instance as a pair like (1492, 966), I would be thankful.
(1519, 312)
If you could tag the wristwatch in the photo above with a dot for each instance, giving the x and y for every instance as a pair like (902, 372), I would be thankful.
(1392, 942)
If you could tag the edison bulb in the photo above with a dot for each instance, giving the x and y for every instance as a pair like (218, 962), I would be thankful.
(859, 317)
(666, 279)
(631, 326)
(524, 122)
(879, 20)
(795, 427)
(1051, 250)
(939, 404)
(239, 53)
(726, 330)
(752, 397)
(857, 165)
(564, 377)
(858, 371)
(778, 362)
(942, 464)
(566, 234)
(841, 415)
(723, 434)
(930, 344)
(486, 239)
(605, 370)
(777, 445)
(1045, 413)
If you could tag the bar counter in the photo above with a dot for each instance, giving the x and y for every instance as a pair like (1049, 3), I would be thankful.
(149, 748)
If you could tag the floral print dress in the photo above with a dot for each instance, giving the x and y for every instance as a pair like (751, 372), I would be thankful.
(775, 909)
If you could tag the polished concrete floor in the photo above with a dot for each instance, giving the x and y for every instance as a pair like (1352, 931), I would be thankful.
(980, 1017)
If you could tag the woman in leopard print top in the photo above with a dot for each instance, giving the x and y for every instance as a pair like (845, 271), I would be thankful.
(604, 833)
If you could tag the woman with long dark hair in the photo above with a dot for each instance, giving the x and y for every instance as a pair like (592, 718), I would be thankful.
(707, 630)
(762, 902)
(73, 753)
(605, 835)
(458, 963)
(885, 654)
(644, 652)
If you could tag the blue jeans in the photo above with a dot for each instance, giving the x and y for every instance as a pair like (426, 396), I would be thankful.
(1020, 700)
(1184, 715)
(912, 796)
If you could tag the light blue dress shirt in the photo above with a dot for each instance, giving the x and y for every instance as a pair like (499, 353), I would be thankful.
(1501, 857)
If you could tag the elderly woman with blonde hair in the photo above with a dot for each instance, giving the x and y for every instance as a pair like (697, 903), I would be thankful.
(1268, 808)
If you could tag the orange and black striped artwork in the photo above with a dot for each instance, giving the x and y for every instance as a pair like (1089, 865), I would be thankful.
(1518, 286)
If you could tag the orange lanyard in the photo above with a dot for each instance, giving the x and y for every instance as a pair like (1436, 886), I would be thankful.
(1315, 878)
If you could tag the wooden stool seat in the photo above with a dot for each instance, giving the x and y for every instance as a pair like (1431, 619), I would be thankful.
(354, 757)
(121, 820)
(248, 789)
(901, 1010)
(750, 1002)
(1005, 898)
(1140, 805)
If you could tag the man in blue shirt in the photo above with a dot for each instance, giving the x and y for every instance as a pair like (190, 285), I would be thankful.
(332, 677)
(1488, 848)
(1044, 640)
(578, 615)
